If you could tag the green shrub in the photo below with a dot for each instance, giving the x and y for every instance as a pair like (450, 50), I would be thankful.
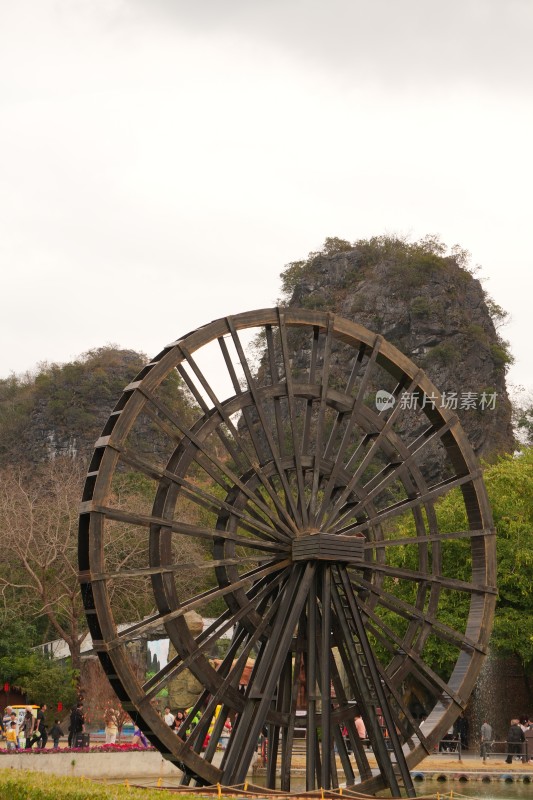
(444, 353)
(476, 333)
(500, 354)
(420, 307)
(315, 302)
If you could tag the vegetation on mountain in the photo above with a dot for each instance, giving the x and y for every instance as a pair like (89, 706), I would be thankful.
(62, 408)
(410, 266)
(427, 301)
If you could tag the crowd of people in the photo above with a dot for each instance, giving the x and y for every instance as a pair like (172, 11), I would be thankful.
(176, 720)
(26, 728)
(519, 740)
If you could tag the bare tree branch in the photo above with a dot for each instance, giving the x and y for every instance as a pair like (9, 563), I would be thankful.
(39, 541)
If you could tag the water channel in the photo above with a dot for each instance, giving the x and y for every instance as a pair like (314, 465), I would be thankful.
(496, 789)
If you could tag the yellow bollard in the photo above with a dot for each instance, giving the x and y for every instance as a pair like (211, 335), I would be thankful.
(127, 783)
(160, 782)
(245, 787)
(340, 791)
(219, 790)
(322, 793)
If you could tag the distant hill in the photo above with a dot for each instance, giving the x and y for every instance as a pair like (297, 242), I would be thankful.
(430, 306)
(419, 298)
(62, 408)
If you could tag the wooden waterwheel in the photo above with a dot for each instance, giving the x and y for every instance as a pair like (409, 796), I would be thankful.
(307, 474)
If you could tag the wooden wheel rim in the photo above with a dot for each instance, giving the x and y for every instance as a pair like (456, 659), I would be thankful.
(292, 485)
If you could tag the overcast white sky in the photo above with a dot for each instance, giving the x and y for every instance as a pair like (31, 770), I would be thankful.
(162, 160)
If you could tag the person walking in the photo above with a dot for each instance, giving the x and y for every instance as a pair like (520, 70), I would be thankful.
(515, 738)
(56, 733)
(40, 730)
(486, 739)
(462, 730)
(77, 724)
(27, 727)
(139, 739)
(111, 726)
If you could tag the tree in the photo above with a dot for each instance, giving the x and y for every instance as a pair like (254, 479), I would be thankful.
(523, 415)
(42, 680)
(509, 485)
(39, 539)
(99, 697)
(38, 523)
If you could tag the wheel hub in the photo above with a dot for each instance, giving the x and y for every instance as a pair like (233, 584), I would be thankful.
(328, 547)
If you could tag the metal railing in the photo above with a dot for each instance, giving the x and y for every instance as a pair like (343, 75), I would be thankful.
(488, 749)
(450, 744)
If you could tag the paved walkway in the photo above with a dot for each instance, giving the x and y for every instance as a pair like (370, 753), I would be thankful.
(444, 768)
(471, 761)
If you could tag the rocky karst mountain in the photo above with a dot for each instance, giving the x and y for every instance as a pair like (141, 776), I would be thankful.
(423, 301)
(431, 307)
(62, 408)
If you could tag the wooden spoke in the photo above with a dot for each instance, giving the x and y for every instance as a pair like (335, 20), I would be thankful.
(215, 631)
(187, 529)
(303, 517)
(379, 483)
(265, 425)
(396, 509)
(344, 445)
(298, 450)
(222, 469)
(410, 612)
(430, 578)
(332, 449)
(256, 441)
(429, 538)
(173, 568)
(198, 601)
(324, 381)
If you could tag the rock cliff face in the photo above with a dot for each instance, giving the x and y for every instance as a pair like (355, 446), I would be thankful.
(61, 411)
(431, 308)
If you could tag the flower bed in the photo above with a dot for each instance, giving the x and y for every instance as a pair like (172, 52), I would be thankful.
(98, 748)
